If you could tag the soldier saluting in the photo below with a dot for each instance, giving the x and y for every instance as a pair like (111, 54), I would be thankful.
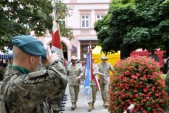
(24, 88)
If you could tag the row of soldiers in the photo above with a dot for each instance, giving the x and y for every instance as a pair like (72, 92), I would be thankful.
(75, 74)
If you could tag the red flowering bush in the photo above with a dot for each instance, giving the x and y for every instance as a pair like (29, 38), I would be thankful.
(137, 81)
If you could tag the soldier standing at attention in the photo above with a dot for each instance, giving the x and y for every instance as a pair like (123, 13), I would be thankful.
(74, 73)
(104, 68)
(25, 88)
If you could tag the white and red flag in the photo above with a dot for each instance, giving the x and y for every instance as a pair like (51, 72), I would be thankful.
(56, 39)
(93, 77)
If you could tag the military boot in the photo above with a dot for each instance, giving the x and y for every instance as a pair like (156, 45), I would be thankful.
(73, 106)
(106, 104)
(90, 107)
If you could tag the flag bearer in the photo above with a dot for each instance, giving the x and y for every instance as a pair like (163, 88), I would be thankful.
(92, 95)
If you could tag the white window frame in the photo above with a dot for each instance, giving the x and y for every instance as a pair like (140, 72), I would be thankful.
(100, 16)
(85, 21)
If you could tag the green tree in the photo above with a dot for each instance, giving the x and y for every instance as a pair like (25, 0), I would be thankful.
(135, 23)
(19, 17)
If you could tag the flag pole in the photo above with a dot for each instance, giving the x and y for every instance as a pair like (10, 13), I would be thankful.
(56, 38)
(93, 77)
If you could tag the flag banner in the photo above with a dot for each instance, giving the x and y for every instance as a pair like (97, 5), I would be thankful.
(87, 75)
(93, 77)
(56, 39)
(97, 81)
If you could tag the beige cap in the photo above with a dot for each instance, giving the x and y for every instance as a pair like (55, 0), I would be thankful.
(103, 58)
(73, 58)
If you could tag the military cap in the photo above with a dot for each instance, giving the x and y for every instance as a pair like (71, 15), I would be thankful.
(10, 57)
(73, 58)
(29, 45)
(103, 58)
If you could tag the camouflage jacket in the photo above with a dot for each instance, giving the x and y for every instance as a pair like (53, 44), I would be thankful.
(105, 69)
(73, 73)
(21, 93)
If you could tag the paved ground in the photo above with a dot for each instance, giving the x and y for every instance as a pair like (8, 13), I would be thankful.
(82, 105)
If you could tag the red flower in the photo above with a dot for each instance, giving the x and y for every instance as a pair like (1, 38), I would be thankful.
(136, 95)
(145, 90)
(135, 90)
(137, 80)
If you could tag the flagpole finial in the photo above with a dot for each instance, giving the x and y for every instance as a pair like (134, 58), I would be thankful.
(54, 2)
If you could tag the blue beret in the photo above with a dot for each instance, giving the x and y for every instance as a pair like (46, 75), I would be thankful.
(10, 57)
(29, 45)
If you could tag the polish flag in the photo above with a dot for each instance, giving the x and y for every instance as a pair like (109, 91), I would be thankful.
(56, 41)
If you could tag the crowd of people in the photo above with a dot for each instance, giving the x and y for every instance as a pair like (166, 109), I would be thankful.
(4, 63)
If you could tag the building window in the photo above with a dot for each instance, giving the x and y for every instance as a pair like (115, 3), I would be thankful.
(99, 16)
(85, 21)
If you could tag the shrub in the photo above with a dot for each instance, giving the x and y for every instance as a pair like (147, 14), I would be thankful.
(137, 80)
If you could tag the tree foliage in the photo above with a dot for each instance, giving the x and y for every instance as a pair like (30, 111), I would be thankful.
(135, 23)
(19, 17)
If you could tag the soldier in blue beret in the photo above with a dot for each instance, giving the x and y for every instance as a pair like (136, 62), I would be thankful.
(24, 88)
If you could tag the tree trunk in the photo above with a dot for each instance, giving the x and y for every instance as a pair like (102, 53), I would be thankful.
(124, 51)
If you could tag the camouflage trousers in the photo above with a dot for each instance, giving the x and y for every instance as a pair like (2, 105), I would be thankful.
(55, 105)
(92, 96)
(74, 91)
(43, 108)
(104, 91)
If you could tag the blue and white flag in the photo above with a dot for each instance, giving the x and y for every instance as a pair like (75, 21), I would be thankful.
(88, 73)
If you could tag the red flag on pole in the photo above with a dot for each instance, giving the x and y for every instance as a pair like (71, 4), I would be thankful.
(93, 77)
(56, 39)
(56, 35)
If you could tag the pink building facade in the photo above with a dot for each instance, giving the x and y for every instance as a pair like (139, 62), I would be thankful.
(84, 14)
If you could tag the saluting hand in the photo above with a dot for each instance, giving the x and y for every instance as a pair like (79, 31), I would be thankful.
(51, 57)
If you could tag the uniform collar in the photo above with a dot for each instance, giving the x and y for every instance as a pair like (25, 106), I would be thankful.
(21, 69)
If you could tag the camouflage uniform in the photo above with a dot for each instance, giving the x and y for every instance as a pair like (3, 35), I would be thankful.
(52, 106)
(104, 80)
(24, 90)
(92, 96)
(73, 73)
